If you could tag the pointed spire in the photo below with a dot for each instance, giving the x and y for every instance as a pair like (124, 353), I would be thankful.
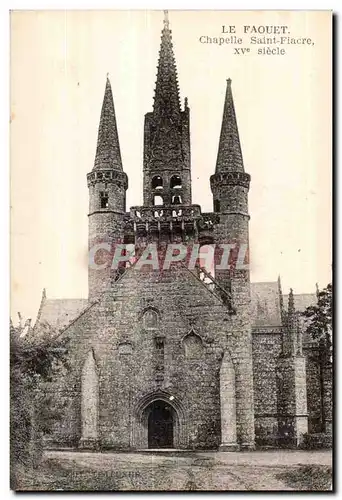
(108, 149)
(292, 327)
(166, 98)
(42, 303)
(299, 336)
(229, 157)
(291, 307)
(281, 302)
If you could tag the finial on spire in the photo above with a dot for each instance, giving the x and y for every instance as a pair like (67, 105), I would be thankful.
(166, 19)
(229, 81)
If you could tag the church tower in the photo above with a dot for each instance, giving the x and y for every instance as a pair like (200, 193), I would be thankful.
(107, 185)
(193, 326)
(167, 177)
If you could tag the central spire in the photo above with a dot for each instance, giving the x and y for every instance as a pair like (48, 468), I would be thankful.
(166, 98)
(167, 177)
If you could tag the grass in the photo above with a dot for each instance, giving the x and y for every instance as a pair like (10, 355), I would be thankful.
(308, 478)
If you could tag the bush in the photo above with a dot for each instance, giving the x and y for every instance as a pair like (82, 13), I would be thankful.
(317, 441)
(33, 363)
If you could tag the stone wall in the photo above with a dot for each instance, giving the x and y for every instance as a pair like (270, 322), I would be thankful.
(128, 365)
(266, 349)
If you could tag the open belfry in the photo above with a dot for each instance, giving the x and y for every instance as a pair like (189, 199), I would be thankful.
(177, 356)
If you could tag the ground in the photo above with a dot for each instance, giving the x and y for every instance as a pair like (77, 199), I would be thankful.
(260, 470)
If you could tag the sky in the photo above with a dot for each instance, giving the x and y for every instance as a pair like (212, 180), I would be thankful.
(59, 63)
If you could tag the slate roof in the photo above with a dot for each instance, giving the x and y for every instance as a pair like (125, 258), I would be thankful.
(302, 300)
(265, 304)
(58, 313)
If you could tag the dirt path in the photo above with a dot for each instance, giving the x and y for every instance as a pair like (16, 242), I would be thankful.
(66, 470)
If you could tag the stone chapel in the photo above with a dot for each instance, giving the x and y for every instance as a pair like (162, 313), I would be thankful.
(177, 358)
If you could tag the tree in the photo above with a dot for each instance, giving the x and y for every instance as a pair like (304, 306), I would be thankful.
(34, 361)
(319, 322)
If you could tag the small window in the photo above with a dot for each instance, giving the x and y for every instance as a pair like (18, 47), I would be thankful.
(175, 182)
(104, 199)
(159, 343)
(158, 200)
(157, 182)
(176, 200)
(216, 205)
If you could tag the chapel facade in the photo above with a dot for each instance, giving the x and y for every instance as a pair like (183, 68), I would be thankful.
(176, 357)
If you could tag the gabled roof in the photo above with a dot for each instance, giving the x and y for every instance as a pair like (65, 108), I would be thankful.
(58, 313)
(265, 304)
(302, 300)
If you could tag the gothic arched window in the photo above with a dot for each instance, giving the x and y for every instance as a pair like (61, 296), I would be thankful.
(150, 319)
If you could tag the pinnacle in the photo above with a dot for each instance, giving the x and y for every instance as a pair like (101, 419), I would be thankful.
(291, 306)
(166, 99)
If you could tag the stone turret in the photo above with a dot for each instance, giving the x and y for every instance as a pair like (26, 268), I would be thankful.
(107, 185)
(230, 186)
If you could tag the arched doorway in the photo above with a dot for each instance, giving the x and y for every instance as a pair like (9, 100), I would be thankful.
(148, 412)
(160, 418)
